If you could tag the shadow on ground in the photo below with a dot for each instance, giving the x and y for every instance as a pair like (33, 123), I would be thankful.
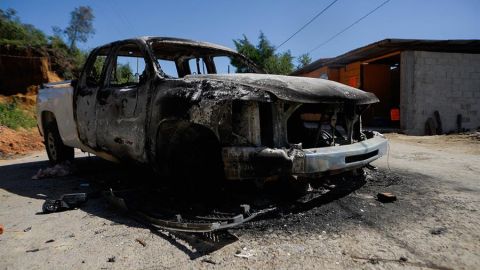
(101, 175)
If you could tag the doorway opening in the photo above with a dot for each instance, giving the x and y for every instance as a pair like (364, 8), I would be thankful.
(381, 76)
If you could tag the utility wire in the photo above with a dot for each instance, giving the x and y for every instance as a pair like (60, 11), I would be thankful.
(305, 25)
(348, 27)
(116, 8)
(104, 10)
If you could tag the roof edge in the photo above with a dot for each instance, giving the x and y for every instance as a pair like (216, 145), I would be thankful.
(396, 44)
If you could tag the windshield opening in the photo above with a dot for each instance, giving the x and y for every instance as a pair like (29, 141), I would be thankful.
(176, 60)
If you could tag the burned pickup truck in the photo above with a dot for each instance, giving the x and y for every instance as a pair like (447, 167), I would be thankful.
(180, 107)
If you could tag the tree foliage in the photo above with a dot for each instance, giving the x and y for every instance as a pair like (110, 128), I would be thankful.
(263, 54)
(14, 32)
(124, 74)
(65, 61)
(303, 60)
(81, 25)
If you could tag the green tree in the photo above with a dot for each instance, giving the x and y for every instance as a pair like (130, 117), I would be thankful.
(123, 74)
(9, 14)
(13, 31)
(65, 62)
(263, 54)
(303, 60)
(69, 61)
(81, 25)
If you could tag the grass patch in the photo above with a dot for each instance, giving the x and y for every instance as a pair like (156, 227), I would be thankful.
(13, 117)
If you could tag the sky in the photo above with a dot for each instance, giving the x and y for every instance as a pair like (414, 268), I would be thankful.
(222, 21)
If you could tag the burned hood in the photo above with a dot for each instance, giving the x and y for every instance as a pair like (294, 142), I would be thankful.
(297, 89)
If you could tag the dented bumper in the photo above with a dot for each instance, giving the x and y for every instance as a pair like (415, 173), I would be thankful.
(254, 162)
(343, 157)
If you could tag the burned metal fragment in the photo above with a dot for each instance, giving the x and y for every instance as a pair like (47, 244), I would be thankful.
(213, 221)
(386, 197)
(66, 202)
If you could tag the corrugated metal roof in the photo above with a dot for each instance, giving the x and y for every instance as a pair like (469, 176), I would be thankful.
(386, 46)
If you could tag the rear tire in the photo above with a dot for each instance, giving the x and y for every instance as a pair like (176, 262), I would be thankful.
(57, 151)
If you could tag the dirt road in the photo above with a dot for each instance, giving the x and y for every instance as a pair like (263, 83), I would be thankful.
(434, 224)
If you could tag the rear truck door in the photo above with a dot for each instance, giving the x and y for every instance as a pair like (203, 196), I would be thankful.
(91, 80)
(122, 103)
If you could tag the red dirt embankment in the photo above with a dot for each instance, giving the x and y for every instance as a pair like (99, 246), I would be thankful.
(21, 68)
(22, 141)
(19, 142)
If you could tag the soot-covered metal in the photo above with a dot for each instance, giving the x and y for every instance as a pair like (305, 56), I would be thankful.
(190, 123)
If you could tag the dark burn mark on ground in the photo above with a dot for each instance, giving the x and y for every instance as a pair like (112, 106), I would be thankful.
(349, 202)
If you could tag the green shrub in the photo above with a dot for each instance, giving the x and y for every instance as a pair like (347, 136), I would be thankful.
(13, 117)
(13, 30)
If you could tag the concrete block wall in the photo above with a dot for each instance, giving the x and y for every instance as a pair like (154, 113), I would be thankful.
(446, 82)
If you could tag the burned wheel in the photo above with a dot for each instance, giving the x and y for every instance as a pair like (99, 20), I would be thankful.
(57, 152)
(192, 160)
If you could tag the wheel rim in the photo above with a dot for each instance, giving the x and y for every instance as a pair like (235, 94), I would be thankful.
(51, 146)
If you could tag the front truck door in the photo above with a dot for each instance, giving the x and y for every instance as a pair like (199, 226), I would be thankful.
(88, 85)
(121, 105)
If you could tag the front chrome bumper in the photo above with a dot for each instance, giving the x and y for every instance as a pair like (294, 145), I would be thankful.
(257, 162)
(340, 158)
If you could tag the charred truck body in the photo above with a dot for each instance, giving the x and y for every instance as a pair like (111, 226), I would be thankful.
(176, 112)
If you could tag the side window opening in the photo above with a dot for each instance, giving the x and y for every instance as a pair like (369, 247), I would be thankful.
(223, 65)
(219, 65)
(197, 66)
(129, 67)
(168, 67)
(94, 73)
